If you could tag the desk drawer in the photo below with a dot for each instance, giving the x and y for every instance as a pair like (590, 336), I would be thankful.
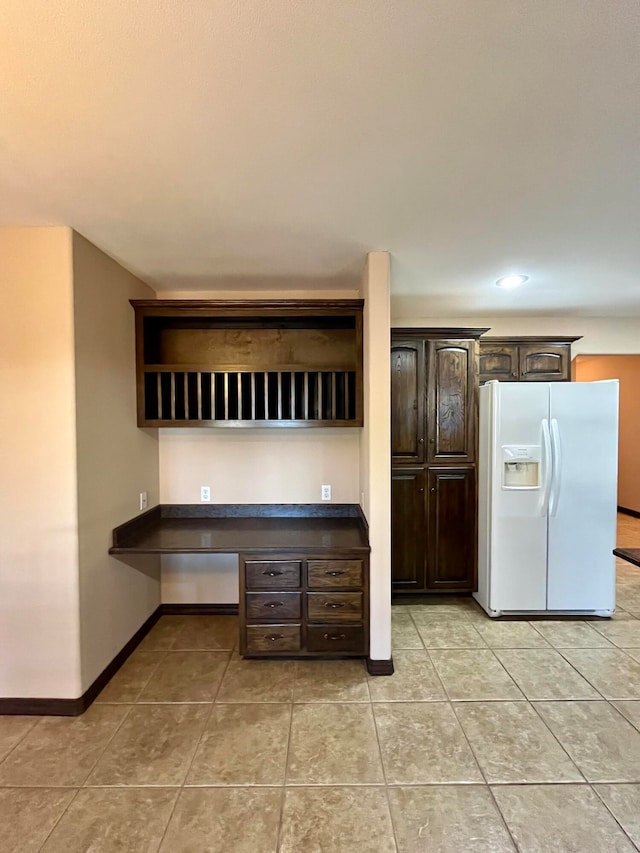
(270, 606)
(336, 639)
(272, 574)
(334, 606)
(272, 638)
(334, 574)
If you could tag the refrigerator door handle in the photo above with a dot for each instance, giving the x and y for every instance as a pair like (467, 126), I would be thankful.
(548, 467)
(556, 451)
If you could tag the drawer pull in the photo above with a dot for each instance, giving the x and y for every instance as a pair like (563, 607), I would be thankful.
(272, 604)
(272, 574)
(274, 637)
(334, 605)
(335, 574)
(335, 636)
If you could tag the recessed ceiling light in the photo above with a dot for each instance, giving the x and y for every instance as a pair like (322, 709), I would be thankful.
(508, 282)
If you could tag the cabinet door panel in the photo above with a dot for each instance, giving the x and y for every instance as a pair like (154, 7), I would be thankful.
(407, 401)
(498, 362)
(408, 528)
(542, 363)
(451, 401)
(451, 560)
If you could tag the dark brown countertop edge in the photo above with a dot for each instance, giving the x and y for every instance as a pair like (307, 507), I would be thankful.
(129, 530)
(631, 555)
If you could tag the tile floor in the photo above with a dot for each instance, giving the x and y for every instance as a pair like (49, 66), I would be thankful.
(490, 737)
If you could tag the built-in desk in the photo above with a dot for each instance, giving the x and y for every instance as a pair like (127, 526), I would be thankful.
(631, 555)
(304, 569)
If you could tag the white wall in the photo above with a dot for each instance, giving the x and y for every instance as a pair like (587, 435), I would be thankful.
(248, 466)
(375, 447)
(39, 617)
(116, 460)
(600, 335)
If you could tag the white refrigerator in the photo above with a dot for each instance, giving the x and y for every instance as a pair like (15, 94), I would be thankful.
(547, 497)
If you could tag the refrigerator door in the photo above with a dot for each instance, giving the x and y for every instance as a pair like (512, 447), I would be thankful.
(518, 540)
(583, 499)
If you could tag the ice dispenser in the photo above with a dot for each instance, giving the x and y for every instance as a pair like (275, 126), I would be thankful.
(521, 466)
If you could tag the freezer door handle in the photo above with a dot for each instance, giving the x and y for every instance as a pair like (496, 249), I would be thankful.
(548, 467)
(556, 453)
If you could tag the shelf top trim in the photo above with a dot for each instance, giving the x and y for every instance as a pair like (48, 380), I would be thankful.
(221, 307)
(436, 332)
(530, 339)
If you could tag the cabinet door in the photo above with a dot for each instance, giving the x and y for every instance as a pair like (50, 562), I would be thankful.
(540, 363)
(498, 361)
(408, 529)
(451, 559)
(451, 404)
(407, 401)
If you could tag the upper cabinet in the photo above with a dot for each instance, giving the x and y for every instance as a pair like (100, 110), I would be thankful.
(407, 400)
(526, 359)
(284, 363)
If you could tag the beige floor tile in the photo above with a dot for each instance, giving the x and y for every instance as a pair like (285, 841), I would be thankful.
(336, 820)
(565, 634)
(257, 681)
(422, 743)
(243, 745)
(333, 745)
(154, 746)
(414, 680)
(604, 746)
(12, 730)
(209, 633)
(186, 677)
(110, 819)
(633, 653)
(611, 671)
(428, 615)
(545, 674)
(127, 684)
(623, 802)
(512, 744)
(62, 750)
(163, 634)
(631, 710)
(559, 819)
(224, 820)
(624, 634)
(510, 635)
(330, 681)
(474, 675)
(404, 634)
(443, 634)
(448, 819)
(27, 816)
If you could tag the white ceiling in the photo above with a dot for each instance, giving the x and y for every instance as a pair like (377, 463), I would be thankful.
(272, 143)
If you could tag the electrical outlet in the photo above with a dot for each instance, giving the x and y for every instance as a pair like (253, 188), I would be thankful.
(143, 500)
(325, 493)
(205, 493)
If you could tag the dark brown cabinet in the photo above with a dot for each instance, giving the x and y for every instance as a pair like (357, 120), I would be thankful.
(433, 438)
(249, 363)
(526, 359)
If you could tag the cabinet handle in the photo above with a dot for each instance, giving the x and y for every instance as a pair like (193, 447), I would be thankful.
(421, 441)
(515, 374)
(272, 604)
(335, 636)
(335, 574)
(433, 489)
(334, 605)
(432, 441)
(274, 637)
(421, 489)
(272, 574)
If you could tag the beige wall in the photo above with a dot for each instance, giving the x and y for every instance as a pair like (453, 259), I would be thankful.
(611, 335)
(375, 444)
(627, 370)
(248, 466)
(116, 460)
(39, 619)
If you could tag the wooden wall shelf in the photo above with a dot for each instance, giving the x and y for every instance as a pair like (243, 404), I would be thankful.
(284, 363)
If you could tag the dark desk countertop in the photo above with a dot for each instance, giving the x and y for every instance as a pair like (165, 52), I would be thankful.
(631, 555)
(224, 529)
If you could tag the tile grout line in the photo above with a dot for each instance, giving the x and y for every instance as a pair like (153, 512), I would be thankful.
(283, 793)
(384, 770)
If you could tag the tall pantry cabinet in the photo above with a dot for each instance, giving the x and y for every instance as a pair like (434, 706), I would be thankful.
(434, 381)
